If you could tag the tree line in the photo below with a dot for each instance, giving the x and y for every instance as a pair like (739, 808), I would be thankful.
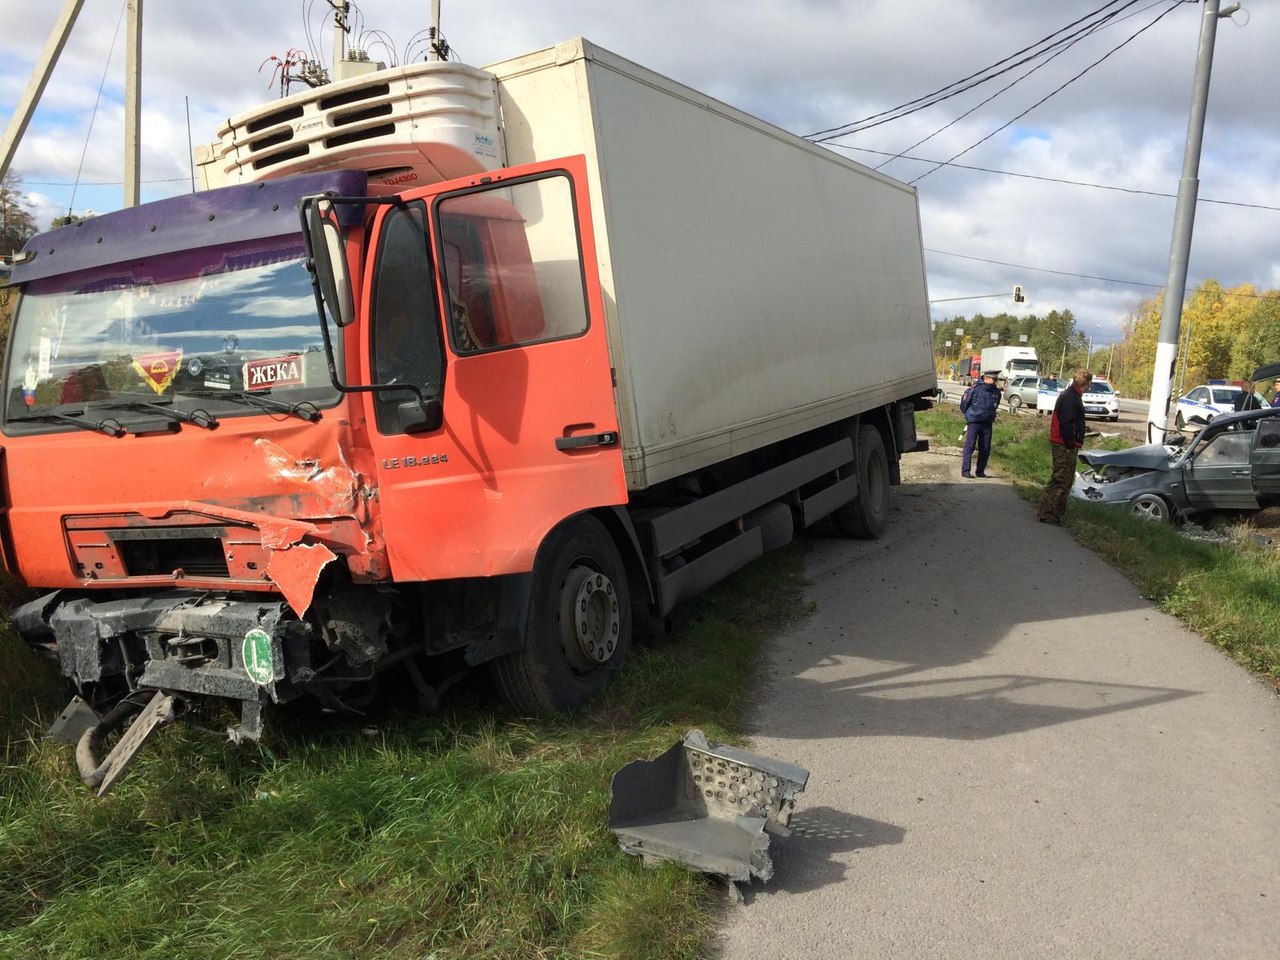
(1226, 334)
(1056, 337)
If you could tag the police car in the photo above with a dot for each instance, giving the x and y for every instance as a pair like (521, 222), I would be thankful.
(1207, 400)
(1100, 400)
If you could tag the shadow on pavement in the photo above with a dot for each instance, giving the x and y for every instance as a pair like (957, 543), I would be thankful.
(811, 857)
(903, 624)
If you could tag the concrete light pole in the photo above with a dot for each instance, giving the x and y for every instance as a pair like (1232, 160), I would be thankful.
(1183, 217)
(133, 105)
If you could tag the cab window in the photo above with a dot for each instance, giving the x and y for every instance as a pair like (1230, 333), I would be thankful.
(511, 265)
(406, 326)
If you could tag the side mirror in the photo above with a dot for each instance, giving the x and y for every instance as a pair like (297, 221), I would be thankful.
(1198, 420)
(324, 242)
(420, 416)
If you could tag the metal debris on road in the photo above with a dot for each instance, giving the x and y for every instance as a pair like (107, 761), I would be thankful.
(709, 806)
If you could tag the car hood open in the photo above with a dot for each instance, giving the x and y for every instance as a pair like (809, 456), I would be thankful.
(1152, 456)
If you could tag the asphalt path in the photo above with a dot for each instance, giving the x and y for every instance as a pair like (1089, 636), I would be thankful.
(1012, 754)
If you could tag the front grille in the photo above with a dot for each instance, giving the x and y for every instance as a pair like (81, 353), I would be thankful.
(194, 556)
(355, 96)
(359, 116)
(382, 130)
(281, 157)
(287, 115)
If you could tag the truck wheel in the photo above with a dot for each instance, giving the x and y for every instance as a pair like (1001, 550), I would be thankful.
(865, 517)
(1015, 403)
(579, 622)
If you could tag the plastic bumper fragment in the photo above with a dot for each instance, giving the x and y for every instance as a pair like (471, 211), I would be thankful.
(709, 806)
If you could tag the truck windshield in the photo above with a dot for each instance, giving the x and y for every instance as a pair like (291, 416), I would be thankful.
(201, 330)
(1028, 365)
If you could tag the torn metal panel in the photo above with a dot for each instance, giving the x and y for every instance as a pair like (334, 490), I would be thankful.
(295, 571)
(158, 712)
(75, 720)
(706, 805)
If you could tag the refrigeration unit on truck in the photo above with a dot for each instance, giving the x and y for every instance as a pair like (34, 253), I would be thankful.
(451, 368)
(1008, 363)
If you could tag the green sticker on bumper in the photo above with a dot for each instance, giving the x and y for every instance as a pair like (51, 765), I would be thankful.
(256, 653)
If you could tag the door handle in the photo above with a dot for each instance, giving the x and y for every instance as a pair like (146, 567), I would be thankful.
(607, 439)
(1241, 473)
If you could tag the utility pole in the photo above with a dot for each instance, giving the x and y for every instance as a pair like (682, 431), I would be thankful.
(132, 103)
(340, 10)
(1183, 218)
(437, 47)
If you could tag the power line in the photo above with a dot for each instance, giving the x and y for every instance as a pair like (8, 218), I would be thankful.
(1061, 273)
(1032, 176)
(964, 84)
(1093, 28)
(96, 183)
(1080, 276)
(1173, 6)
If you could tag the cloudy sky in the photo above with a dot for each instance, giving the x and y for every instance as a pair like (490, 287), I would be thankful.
(805, 65)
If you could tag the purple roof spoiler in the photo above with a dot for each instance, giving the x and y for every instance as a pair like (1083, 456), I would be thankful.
(251, 211)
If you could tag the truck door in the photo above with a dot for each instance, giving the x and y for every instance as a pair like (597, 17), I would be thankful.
(1218, 475)
(498, 278)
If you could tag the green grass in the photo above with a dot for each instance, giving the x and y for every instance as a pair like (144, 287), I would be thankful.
(473, 833)
(1228, 593)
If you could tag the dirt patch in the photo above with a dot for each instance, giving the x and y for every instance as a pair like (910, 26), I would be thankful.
(940, 464)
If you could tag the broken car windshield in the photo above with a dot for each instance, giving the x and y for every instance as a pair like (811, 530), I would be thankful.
(202, 330)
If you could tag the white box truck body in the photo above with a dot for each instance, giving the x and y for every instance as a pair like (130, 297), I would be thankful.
(1010, 362)
(756, 285)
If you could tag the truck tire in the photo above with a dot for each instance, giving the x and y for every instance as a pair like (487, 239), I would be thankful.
(578, 631)
(865, 517)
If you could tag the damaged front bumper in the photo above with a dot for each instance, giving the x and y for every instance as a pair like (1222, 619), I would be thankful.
(252, 651)
(1098, 487)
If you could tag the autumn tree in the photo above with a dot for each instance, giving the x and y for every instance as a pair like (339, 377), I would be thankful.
(1224, 334)
(17, 226)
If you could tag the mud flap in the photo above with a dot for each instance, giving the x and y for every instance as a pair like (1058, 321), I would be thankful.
(706, 805)
(104, 775)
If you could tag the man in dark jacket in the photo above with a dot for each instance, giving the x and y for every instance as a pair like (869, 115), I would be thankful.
(979, 405)
(1066, 437)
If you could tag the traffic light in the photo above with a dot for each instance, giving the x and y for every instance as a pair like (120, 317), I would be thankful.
(1017, 294)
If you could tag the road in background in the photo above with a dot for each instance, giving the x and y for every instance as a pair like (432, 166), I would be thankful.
(1013, 754)
(1133, 413)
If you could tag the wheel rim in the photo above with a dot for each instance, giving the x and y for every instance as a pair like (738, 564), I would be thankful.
(1014, 404)
(877, 482)
(590, 618)
(1150, 508)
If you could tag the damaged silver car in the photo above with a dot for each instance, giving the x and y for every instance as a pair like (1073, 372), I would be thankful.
(1232, 463)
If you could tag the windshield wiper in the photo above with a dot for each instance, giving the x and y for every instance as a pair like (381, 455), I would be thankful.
(110, 426)
(306, 410)
(200, 417)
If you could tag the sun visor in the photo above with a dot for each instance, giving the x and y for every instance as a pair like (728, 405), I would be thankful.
(251, 211)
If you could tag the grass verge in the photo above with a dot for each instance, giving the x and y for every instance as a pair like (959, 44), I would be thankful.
(473, 833)
(1228, 593)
